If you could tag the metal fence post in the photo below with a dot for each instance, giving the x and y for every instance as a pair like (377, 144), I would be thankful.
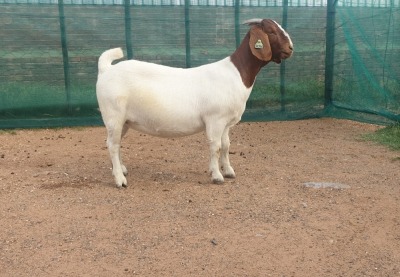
(283, 65)
(330, 50)
(187, 34)
(64, 46)
(128, 29)
(237, 23)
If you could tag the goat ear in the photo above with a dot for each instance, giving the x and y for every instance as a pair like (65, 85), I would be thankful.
(259, 44)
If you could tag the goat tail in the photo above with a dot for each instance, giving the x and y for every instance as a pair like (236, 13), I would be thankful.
(106, 59)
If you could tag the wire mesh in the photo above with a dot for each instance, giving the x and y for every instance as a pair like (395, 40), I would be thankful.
(40, 44)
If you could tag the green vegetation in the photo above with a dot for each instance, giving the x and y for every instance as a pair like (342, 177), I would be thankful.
(389, 136)
(11, 132)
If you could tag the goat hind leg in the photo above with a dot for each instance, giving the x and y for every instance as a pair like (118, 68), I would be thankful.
(114, 145)
(125, 129)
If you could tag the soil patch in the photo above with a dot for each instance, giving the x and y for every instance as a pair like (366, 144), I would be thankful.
(61, 214)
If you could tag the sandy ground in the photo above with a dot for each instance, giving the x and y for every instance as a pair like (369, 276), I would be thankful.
(61, 214)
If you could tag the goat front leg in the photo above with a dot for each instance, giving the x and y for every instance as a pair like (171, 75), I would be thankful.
(227, 169)
(214, 134)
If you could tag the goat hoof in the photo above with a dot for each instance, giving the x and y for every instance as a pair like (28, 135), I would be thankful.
(121, 182)
(228, 172)
(230, 176)
(217, 181)
(122, 186)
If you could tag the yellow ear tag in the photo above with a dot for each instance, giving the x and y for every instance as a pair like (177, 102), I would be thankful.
(259, 44)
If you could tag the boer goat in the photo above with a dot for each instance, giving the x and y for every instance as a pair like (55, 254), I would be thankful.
(172, 102)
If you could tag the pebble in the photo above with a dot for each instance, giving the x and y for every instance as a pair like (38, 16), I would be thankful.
(322, 185)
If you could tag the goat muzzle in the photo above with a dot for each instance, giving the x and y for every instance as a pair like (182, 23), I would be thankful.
(283, 56)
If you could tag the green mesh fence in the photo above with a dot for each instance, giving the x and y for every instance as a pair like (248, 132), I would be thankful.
(346, 61)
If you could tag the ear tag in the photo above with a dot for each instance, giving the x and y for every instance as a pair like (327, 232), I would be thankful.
(259, 44)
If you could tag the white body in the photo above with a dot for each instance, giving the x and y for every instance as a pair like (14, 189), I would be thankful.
(170, 102)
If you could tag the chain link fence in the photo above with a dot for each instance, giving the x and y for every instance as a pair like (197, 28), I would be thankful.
(346, 61)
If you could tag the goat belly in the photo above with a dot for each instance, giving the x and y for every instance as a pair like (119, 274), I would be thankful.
(163, 116)
(166, 127)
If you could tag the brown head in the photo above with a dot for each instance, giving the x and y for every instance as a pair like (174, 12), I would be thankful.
(266, 41)
(269, 41)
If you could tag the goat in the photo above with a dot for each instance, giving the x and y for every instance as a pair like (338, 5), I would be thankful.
(172, 102)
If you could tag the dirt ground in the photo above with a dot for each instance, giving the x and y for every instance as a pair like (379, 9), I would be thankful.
(61, 214)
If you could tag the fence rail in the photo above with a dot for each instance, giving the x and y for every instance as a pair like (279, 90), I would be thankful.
(222, 3)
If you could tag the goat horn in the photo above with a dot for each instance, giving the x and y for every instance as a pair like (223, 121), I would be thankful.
(253, 21)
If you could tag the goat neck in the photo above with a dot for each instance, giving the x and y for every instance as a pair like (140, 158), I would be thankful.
(246, 63)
